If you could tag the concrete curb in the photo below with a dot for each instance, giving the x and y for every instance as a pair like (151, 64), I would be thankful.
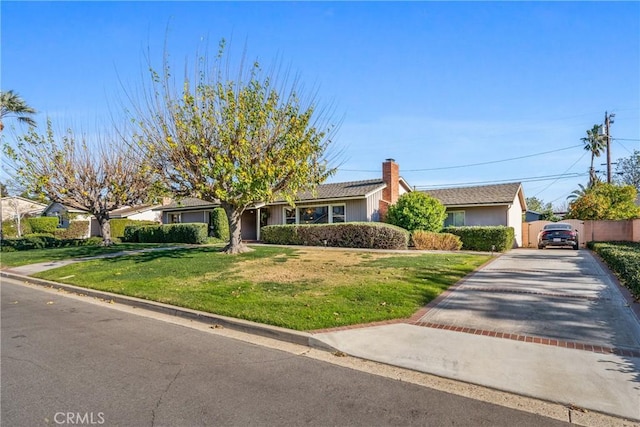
(246, 326)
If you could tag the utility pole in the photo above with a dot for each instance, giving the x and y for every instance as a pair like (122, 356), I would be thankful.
(608, 121)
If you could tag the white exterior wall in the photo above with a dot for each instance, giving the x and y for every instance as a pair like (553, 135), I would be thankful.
(148, 215)
(515, 220)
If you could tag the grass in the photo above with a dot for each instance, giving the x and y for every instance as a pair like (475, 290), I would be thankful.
(15, 259)
(301, 288)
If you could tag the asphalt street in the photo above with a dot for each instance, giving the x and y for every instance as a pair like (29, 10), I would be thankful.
(66, 361)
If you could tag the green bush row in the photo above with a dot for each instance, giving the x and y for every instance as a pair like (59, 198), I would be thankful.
(346, 235)
(624, 259)
(118, 225)
(495, 238)
(76, 230)
(44, 241)
(427, 240)
(195, 233)
(42, 224)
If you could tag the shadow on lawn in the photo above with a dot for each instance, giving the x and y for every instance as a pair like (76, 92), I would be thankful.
(165, 253)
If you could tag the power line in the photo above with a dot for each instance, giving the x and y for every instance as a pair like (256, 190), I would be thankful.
(527, 179)
(567, 170)
(472, 164)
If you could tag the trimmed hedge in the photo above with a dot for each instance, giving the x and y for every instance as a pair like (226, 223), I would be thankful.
(195, 233)
(496, 238)
(426, 240)
(344, 235)
(44, 241)
(119, 224)
(219, 224)
(76, 230)
(624, 259)
(43, 224)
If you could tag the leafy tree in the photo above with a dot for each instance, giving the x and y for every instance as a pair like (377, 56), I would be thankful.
(97, 179)
(11, 104)
(605, 201)
(596, 144)
(544, 209)
(237, 141)
(417, 211)
(628, 170)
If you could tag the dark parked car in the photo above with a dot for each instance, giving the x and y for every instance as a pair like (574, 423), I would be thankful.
(558, 234)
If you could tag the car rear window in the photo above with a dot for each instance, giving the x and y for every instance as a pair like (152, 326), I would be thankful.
(558, 227)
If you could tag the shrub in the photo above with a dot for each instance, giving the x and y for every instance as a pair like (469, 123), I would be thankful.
(45, 241)
(76, 230)
(344, 235)
(43, 224)
(219, 224)
(624, 259)
(195, 233)
(497, 238)
(119, 224)
(10, 228)
(426, 240)
(417, 211)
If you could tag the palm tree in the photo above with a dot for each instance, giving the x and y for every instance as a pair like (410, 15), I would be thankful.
(575, 194)
(12, 104)
(596, 143)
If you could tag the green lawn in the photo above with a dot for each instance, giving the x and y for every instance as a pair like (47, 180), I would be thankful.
(301, 288)
(14, 259)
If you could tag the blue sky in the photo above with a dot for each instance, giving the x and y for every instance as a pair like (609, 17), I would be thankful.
(439, 86)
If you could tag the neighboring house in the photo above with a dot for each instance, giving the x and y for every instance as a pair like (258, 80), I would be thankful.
(65, 214)
(330, 203)
(531, 216)
(500, 204)
(12, 207)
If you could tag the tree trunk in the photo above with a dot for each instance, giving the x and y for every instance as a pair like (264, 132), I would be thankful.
(234, 215)
(105, 229)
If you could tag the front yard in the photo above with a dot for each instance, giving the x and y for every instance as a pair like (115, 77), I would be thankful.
(297, 288)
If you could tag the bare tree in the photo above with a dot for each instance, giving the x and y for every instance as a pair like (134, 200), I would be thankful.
(237, 141)
(97, 178)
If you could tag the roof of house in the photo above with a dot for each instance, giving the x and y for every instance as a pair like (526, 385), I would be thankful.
(16, 204)
(126, 211)
(187, 203)
(340, 190)
(67, 208)
(497, 194)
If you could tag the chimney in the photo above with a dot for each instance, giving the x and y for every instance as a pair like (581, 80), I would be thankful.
(390, 194)
(391, 177)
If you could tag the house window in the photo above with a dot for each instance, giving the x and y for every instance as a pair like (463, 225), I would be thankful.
(454, 219)
(314, 215)
(289, 215)
(324, 214)
(175, 218)
(337, 213)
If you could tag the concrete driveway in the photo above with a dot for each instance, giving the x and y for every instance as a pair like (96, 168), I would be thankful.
(551, 324)
(553, 293)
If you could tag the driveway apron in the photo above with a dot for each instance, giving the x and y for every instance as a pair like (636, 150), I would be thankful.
(550, 324)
